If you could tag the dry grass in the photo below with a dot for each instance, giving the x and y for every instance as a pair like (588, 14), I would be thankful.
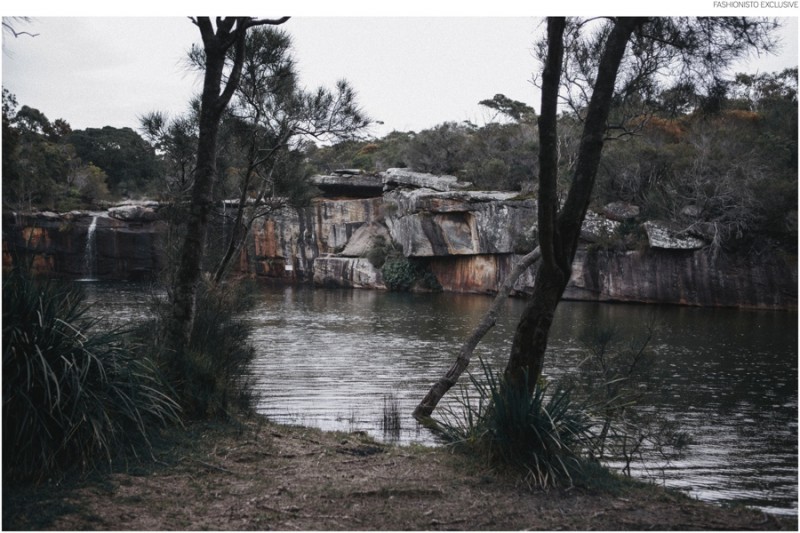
(262, 476)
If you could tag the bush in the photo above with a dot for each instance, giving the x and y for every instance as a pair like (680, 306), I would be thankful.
(541, 434)
(381, 250)
(209, 378)
(71, 395)
(402, 274)
(399, 274)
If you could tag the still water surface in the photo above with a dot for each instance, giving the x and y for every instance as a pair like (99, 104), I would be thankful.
(334, 359)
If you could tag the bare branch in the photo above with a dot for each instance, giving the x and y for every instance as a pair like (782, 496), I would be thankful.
(9, 28)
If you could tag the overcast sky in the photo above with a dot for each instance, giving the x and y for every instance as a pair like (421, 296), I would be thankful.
(410, 73)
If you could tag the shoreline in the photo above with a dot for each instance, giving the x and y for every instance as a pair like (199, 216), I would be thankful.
(255, 474)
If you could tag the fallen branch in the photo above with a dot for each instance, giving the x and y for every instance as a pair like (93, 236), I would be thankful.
(439, 389)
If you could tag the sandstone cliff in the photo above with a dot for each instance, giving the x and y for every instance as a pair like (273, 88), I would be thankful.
(469, 240)
(59, 244)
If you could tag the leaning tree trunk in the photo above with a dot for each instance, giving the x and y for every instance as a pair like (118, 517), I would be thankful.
(439, 389)
(559, 231)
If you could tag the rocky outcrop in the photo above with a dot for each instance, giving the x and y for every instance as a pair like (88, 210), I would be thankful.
(664, 235)
(404, 178)
(365, 238)
(286, 245)
(684, 277)
(347, 272)
(351, 184)
(58, 245)
(135, 212)
(468, 240)
(428, 223)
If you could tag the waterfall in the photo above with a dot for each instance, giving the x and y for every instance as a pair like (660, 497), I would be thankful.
(90, 253)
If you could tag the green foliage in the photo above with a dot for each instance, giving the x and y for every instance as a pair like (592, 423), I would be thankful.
(728, 176)
(44, 161)
(209, 378)
(492, 157)
(399, 274)
(36, 164)
(513, 109)
(92, 184)
(402, 274)
(176, 141)
(542, 434)
(72, 395)
(128, 160)
(381, 250)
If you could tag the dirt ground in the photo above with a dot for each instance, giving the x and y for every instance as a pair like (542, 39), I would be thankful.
(261, 476)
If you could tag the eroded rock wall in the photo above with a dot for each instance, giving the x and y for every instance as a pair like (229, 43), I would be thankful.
(287, 244)
(685, 277)
(469, 240)
(56, 245)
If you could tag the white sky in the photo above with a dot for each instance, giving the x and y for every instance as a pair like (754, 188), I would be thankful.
(411, 72)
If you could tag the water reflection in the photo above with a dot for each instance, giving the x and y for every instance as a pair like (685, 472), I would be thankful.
(334, 358)
(330, 358)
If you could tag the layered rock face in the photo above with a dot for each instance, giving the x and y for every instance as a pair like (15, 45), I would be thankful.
(83, 245)
(287, 245)
(469, 240)
(684, 277)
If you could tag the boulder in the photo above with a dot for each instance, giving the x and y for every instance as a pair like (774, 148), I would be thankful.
(133, 213)
(401, 177)
(362, 240)
(664, 235)
(352, 185)
(597, 228)
(620, 211)
(349, 272)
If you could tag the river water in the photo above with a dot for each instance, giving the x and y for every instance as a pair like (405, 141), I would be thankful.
(342, 359)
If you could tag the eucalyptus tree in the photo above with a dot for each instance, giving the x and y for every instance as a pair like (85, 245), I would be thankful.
(223, 41)
(272, 118)
(594, 67)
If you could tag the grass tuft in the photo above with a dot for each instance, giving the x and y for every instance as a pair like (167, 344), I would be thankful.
(72, 395)
(541, 433)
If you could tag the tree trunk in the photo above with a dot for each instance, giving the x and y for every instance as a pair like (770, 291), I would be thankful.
(230, 33)
(439, 389)
(559, 231)
(237, 237)
(189, 262)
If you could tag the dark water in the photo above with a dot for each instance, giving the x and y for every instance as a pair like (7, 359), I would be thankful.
(335, 359)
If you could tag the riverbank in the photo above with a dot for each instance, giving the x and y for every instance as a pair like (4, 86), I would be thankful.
(258, 475)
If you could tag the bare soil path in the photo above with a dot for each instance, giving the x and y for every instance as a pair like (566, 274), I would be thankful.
(261, 476)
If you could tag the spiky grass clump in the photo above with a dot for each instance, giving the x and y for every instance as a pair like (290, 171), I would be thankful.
(72, 395)
(540, 433)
